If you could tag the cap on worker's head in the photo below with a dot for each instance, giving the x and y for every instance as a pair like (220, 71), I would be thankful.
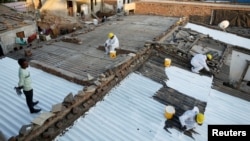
(110, 35)
(209, 56)
(200, 118)
(196, 110)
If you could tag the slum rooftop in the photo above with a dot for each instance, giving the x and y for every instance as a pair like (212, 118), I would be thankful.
(11, 19)
(139, 36)
(88, 57)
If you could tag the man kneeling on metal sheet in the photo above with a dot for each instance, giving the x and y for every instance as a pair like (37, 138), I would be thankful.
(191, 118)
(199, 61)
(111, 43)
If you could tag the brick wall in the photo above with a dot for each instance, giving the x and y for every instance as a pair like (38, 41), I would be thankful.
(111, 2)
(182, 9)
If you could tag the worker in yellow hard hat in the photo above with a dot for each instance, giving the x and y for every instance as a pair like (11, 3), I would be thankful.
(209, 56)
(110, 35)
(111, 43)
(199, 61)
(191, 118)
(200, 118)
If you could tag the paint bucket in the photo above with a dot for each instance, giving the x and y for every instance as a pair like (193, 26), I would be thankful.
(112, 54)
(169, 112)
(95, 21)
(167, 62)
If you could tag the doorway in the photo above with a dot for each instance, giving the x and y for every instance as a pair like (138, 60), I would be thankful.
(1, 51)
(92, 5)
(70, 8)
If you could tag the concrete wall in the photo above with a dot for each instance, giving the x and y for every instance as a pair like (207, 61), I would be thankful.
(97, 7)
(59, 7)
(247, 76)
(56, 7)
(8, 38)
(118, 3)
(238, 64)
(129, 6)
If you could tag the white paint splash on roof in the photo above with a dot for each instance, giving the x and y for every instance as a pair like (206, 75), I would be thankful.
(189, 83)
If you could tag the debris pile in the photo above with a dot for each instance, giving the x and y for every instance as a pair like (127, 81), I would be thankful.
(184, 43)
(74, 40)
(55, 25)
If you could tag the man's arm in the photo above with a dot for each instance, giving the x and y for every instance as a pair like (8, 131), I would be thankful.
(204, 64)
(206, 67)
(106, 43)
(21, 80)
(182, 119)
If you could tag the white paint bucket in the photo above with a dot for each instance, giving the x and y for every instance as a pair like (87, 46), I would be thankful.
(112, 54)
(167, 62)
(169, 112)
(95, 21)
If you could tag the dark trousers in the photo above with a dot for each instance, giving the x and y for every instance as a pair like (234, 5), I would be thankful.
(29, 99)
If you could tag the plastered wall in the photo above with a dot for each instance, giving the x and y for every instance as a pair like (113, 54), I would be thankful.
(8, 38)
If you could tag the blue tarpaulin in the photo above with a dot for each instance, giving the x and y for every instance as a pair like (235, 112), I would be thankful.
(240, 1)
(21, 41)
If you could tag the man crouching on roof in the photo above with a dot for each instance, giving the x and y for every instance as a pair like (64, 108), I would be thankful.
(111, 43)
(191, 118)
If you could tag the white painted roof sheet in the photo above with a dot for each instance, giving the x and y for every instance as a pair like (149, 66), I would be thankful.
(48, 89)
(221, 36)
(196, 86)
(129, 112)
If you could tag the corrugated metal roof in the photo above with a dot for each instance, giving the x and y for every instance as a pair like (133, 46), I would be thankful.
(128, 112)
(48, 89)
(196, 86)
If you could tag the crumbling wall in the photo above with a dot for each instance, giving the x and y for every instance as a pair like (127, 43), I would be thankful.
(57, 24)
(108, 9)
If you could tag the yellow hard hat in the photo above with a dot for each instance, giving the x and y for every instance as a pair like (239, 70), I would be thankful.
(200, 118)
(110, 35)
(209, 56)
